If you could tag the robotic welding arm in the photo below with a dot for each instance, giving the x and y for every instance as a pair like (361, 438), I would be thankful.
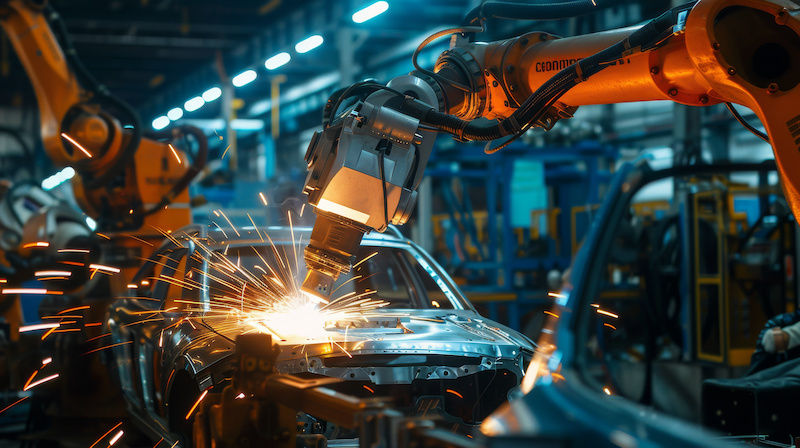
(364, 170)
(85, 127)
(694, 54)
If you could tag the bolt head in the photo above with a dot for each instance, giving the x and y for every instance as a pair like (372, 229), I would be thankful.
(731, 71)
(703, 99)
(654, 70)
(673, 92)
(510, 68)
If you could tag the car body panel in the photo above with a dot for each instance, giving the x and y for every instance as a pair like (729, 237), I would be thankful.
(389, 348)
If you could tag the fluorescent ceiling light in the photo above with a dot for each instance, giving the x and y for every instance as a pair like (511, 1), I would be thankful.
(212, 94)
(244, 124)
(58, 178)
(175, 114)
(160, 123)
(278, 60)
(246, 77)
(194, 104)
(308, 44)
(370, 12)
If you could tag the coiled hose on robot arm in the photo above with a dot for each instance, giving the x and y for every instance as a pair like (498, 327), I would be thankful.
(527, 11)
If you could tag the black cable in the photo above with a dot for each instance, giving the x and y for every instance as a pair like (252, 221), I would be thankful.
(383, 184)
(526, 11)
(431, 38)
(351, 91)
(746, 125)
(327, 111)
(536, 105)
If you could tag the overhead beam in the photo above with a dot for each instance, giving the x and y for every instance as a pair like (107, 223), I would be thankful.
(173, 26)
(152, 41)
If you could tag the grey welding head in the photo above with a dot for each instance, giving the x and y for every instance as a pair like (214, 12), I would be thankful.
(330, 252)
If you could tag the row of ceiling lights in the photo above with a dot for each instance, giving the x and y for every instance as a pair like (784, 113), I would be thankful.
(274, 62)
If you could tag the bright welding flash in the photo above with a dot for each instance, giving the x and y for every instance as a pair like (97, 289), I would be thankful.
(313, 298)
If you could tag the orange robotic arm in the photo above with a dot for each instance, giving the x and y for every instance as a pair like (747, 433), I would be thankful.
(707, 58)
(695, 55)
(123, 180)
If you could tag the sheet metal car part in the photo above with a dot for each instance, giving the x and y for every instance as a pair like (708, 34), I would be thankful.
(430, 348)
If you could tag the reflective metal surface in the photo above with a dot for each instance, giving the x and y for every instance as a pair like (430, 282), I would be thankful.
(443, 359)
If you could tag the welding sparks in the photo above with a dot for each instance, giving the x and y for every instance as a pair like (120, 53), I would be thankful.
(77, 251)
(550, 313)
(229, 222)
(13, 404)
(43, 380)
(23, 291)
(240, 396)
(369, 389)
(104, 268)
(38, 327)
(36, 244)
(107, 433)
(607, 313)
(115, 438)
(263, 199)
(610, 326)
(107, 346)
(53, 274)
(555, 294)
(174, 153)
(77, 145)
(607, 391)
(268, 299)
(197, 403)
(451, 391)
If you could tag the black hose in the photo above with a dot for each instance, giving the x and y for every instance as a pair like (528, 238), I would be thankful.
(744, 123)
(536, 104)
(327, 111)
(199, 162)
(525, 11)
(362, 88)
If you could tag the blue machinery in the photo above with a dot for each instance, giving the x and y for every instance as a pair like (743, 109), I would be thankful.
(505, 265)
